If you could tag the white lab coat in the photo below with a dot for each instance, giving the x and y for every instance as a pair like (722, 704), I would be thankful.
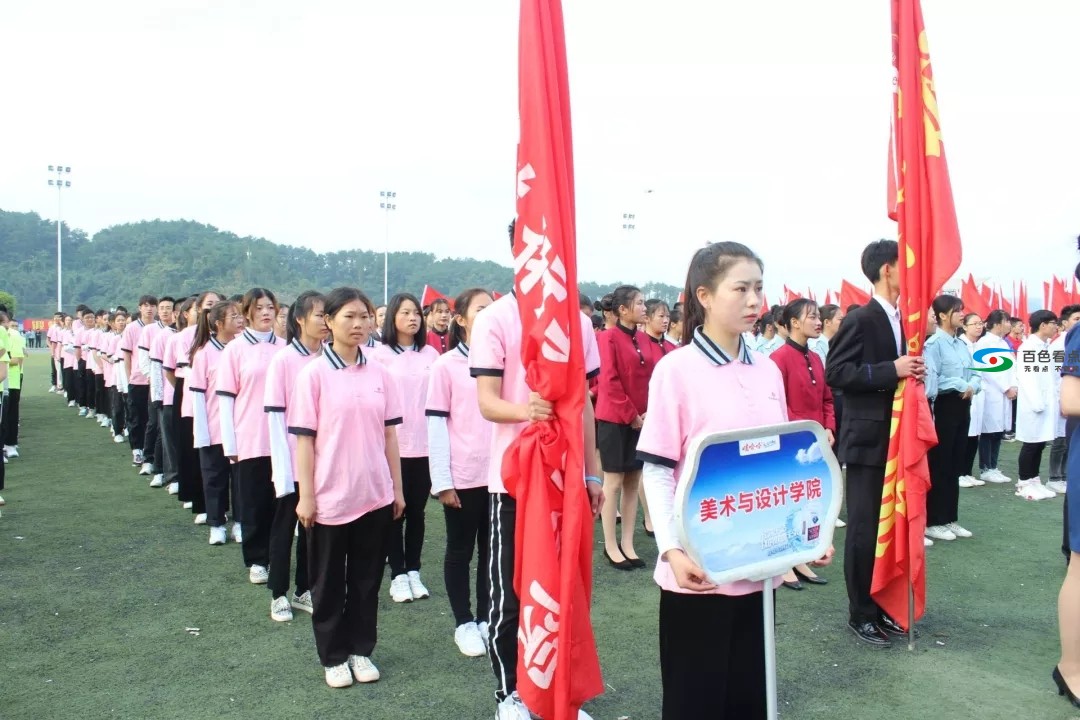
(996, 408)
(978, 401)
(1037, 410)
(1057, 345)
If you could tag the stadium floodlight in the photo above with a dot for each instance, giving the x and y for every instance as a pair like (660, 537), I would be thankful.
(59, 183)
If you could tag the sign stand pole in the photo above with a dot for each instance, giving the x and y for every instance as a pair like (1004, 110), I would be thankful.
(767, 601)
(911, 615)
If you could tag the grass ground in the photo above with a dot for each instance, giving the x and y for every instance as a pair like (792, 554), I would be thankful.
(100, 575)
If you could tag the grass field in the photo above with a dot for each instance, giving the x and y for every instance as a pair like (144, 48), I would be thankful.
(100, 575)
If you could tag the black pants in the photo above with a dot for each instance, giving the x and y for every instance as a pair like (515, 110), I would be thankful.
(971, 449)
(153, 434)
(838, 410)
(952, 414)
(169, 462)
(90, 391)
(52, 370)
(254, 479)
(191, 484)
(1030, 460)
(70, 385)
(863, 486)
(80, 383)
(1059, 453)
(346, 564)
(11, 418)
(503, 614)
(1014, 406)
(219, 482)
(2, 411)
(119, 411)
(712, 656)
(281, 542)
(102, 402)
(406, 535)
(989, 449)
(466, 530)
(138, 402)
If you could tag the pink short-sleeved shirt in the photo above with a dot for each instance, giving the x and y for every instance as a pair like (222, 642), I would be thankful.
(347, 410)
(496, 351)
(281, 380)
(106, 347)
(159, 346)
(146, 337)
(411, 370)
(129, 343)
(53, 337)
(452, 395)
(175, 360)
(203, 379)
(91, 340)
(78, 331)
(67, 337)
(242, 375)
(698, 389)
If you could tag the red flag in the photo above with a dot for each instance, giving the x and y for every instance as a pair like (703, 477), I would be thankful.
(764, 305)
(1046, 295)
(1022, 303)
(851, 295)
(1007, 304)
(495, 294)
(558, 667)
(430, 295)
(930, 253)
(790, 295)
(828, 297)
(972, 298)
(987, 294)
(682, 297)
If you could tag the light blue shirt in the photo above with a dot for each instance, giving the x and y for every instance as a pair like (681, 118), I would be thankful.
(948, 365)
(768, 347)
(821, 347)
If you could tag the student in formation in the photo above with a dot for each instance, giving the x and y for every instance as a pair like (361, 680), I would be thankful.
(999, 392)
(831, 317)
(438, 335)
(89, 368)
(459, 446)
(380, 316)
(306, 331)
(152, 453)
(68, 360)
(408, 357)
(245, 437)
(504, 399)
(971, 332)
(1036, 414)
(675, 327)
(115, 357)
(1059, 448)
(103, 357)
(52, 340)
(770, 339)
(216, 329)
(658, 320)
(138, 384)
(164, 392)
(281, 321)
(5, 361)
(711, 639)
(9, 426)
(343, 412)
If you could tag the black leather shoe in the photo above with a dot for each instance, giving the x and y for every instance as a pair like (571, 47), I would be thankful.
(816, 580)
(650, 533)
(619, 565)
(634, 561)
(870, 634)
(793, 585)
(891, 627)
(1063, 687)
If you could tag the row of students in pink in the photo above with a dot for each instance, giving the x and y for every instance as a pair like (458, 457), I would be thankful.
(153, 453)
(138, 385)
(344, 412)
(161, 393)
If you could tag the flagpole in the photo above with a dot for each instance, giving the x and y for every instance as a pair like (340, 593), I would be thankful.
(911, 610)
(769, 614)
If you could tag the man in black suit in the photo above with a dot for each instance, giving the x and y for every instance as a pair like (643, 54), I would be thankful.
(866, 363)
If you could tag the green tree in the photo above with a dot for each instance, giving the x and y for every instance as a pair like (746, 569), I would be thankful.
(8, 299)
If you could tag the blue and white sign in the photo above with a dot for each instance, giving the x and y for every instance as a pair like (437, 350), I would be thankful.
(752, 504)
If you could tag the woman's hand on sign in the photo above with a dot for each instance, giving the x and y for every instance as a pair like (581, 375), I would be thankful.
(687, 574)
(826, 559)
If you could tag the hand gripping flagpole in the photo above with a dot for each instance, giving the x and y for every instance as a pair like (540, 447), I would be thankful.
(768, 602)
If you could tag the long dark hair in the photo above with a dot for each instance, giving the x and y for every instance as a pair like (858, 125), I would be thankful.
(623, 296)
(389, 329)
(794, 310)
(208, 322)
(461, 307)
(302, 307)
(181, 313)
(707, 269)
(947, 305)
(995, 318)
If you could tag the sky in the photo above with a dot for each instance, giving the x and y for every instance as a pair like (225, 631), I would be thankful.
(765, 123)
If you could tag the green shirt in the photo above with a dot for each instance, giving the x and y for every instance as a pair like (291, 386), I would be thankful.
(17, 349)
(5, 346)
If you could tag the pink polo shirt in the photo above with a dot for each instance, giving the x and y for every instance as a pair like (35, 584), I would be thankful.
(411, 370)
(91, 340)
(129, 343)
(158, 347)
(175, 360)
(242, 375)
(53, 336)
(67, 337)
(78, 331)
(281, 380)
(347, 410)
(452, 395)
(203, 379)
(496, 351)
(106, 346)
(697, 389)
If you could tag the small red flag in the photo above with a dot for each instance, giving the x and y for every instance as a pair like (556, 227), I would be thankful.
(851, 295)
(430, 295)
(790, 295)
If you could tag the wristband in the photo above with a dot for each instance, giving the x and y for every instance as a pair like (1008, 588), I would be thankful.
(593, 479)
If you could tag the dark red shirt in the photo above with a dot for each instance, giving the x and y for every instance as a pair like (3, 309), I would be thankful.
(808, 395)
(440, 342)
(626, 364)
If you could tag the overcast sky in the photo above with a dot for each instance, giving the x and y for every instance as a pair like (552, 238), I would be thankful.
(763, 122)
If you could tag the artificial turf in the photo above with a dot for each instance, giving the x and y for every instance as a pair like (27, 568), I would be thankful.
(100, 576)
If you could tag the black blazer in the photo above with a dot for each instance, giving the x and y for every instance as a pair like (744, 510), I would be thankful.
(861, 357)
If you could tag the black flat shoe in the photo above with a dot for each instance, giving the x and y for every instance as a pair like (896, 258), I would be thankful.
(635, 561)
(1063, 687)
(619, 565)
(870, 634)
(793, 585)
(815, 580)
(891, 627)
(648, 532)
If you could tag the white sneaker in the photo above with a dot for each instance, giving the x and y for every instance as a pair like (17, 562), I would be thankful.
(258, 575)
(1025, 489)
(12, 451)
(419, 592)
(103, 421)
(339, 676)
(280, 610)
(469, 642)
(126, 433)
(512, 709)
(187, 505)
(118, 439)
(82, 412)
(363, 669)
(302, 602)
(399, 589)
(237, 535)
(840, 523)
(1057, 486)
(52, 388)
(136, 457)
(993, 476)
(71, 404)
(976, 481)
(217, 535)
(146, 469)
(482, 628)
(1046, 491)
(157, 481)
(200, 519)
(2, 501)
(927, 542)
(92, 416)
(957, 530)
(174, 487)
(939, 532)
(965, 481)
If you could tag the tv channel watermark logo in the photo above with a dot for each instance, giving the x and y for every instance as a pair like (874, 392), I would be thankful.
(992, 360)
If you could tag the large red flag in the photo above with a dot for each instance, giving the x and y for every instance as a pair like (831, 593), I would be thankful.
(430, 295)
(851, 295)
(790, 295)
(972, 298)
(1022, 303)
(558, 667)
(929, 254)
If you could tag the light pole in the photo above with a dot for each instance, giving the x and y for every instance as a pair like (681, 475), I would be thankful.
(387, 202)
(60, 184)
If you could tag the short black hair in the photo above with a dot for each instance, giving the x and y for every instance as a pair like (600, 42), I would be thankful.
(510, 229)
(166, 298)
(1067, 311)
(148, 300)
(121, 309)
(852, 308)
(584, 302)
(876, 254)
(1039, 317)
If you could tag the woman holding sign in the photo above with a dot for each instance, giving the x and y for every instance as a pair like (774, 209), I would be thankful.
(712, 639)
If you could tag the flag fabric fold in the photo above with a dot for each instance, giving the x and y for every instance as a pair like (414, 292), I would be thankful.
(852, 295)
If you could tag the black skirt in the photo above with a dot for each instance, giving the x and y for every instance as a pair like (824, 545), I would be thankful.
(618, 447)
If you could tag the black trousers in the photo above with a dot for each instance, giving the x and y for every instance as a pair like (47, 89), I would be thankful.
(467, 530)
(254, 480)
(70, 385)
(169, 462)
(102, 402)
(153, 434)
(838, 410)
(219, 482)
(2, 466)
(138, 403)
(1059, 453)
(971, 449)
(80, 384)
(1030, 460)
(191, 483)
(405, 539)
(90, 391)
(119, 411)
(52, 370)
(862, 492)
(989, 449)
(281, 544)
(503, 613)
(952, 414)
(346, 563)
(712, 656)
(10, 422)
